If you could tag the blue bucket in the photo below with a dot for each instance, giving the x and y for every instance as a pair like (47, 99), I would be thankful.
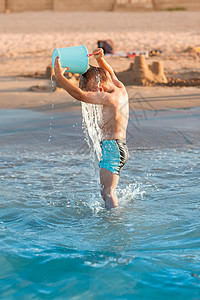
(75, 58)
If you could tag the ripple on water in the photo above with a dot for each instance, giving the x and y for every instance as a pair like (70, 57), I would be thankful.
(58, 241)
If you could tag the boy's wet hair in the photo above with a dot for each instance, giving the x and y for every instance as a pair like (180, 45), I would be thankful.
(91, 75)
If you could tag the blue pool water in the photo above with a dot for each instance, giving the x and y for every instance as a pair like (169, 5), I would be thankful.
(56, 239)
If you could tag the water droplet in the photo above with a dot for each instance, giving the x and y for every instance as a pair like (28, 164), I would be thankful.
(53, 83)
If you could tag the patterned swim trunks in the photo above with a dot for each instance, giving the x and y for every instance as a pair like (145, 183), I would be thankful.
(114, 155)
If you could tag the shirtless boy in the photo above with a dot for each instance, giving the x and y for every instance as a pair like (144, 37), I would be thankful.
(111, 94)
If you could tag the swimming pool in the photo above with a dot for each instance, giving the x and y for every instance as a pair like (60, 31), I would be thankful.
(57, 240)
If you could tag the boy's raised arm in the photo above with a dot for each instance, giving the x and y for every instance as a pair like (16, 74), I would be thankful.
(101, 61)
(73, 90)
(76, 92)
(103, 64)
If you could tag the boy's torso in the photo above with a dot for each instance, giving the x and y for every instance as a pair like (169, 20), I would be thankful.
(115, 117)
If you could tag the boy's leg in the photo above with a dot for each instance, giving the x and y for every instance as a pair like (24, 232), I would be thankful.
(109, 183)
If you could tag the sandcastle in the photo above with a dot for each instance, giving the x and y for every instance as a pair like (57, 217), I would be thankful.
(141, 73)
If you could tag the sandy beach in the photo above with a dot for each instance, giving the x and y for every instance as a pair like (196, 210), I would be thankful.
(27, 40)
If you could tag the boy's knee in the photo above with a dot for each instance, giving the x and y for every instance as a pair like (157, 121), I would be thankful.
(105, 193)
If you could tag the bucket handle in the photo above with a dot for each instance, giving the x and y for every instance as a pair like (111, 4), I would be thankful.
(94, 53)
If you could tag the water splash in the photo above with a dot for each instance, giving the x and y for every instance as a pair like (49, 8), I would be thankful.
(131, 192)
(92, 117)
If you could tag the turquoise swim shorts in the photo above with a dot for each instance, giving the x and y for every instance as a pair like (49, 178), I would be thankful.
(114, 155)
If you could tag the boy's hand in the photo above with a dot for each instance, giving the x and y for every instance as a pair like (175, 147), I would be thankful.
(59, 71)
(100, 54)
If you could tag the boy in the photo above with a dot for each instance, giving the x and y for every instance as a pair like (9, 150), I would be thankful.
(100, 86)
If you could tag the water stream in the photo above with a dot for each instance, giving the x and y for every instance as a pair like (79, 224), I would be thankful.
(92, 116)
(53, 86)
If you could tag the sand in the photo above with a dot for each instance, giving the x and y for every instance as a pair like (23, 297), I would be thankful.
(27, 40)
(15, 94)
